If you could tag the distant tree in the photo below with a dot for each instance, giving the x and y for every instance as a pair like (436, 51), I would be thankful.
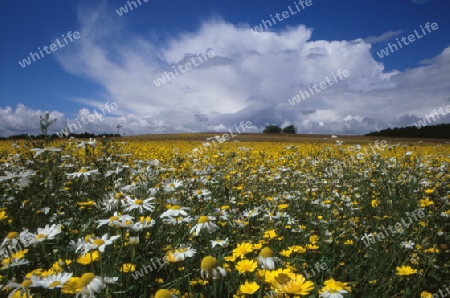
(118, 127)
(290, 129)
(272, 129)
(435, 131)
(44, 123)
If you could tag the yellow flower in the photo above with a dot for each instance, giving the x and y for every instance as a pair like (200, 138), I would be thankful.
(270, 234)
(12, 235)
(426, 202)
(312, 246)
(163, 293)
(405, 270)
(3, 215)
(425, 294)
(348, 242)
(245, 266)
(332, 286)
(20, 254)
(128, 267)
(242, 249)
(375, 203)
(89, 257)
(429, 191)
(249, 287)
(56, 268)
(291, 283)
(258, 246)
(298, 248)
(88, 203)
(313, 239)
(37, 272)
(286, 253)
(283, 206)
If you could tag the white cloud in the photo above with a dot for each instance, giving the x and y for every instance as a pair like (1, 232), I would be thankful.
(383, 37)
(250, 78)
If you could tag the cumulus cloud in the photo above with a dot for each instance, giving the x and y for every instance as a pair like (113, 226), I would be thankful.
(250, 78)
(383, 37)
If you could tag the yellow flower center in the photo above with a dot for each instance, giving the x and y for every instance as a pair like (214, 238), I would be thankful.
(163, 293)
(208, 263)
(12, 235)
(86, 278)
(26, 283)
(138, 202)
(266, 252)
(99, 242)
(113, 218)
(282, 278)
(203, 219)
(175, 207)
(82, 170)
(40, 236)
(171, 185)
(87, 238)
(54, 284)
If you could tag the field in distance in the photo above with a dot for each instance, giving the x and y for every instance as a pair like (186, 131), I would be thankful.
(288, 138)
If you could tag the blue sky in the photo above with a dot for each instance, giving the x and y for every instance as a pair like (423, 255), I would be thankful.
(250, 77)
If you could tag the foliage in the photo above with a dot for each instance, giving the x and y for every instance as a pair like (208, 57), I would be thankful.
(290, 129)
(435, 131)
(272, 129)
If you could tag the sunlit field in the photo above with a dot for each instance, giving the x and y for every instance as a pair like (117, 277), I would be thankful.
(162, 217)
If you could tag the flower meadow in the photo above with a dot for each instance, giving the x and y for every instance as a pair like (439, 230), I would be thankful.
(139, 218)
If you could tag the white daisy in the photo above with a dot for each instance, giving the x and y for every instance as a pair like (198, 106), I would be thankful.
(91, 285)
(14, 262)
(21, 288)
(117, 220)
(116, 171)
(223, 243)
(251, 212)
(39, 151)
(98, 243)
(92, 142)
(266, 259)
(110, 280)
(143, 223)
(209, 267)
(408, 244)
(204, 222)
(139, 204)
(22, 178)
(175, 210)
(367, 236)
(112, 201)
(333, 294)
(48, 233)
(83, 172)
(202, 194)
(177, 220)
(51, 281)
(172, 185)
(184, 251)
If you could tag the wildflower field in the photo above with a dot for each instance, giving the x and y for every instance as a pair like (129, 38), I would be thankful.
(139, 218)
